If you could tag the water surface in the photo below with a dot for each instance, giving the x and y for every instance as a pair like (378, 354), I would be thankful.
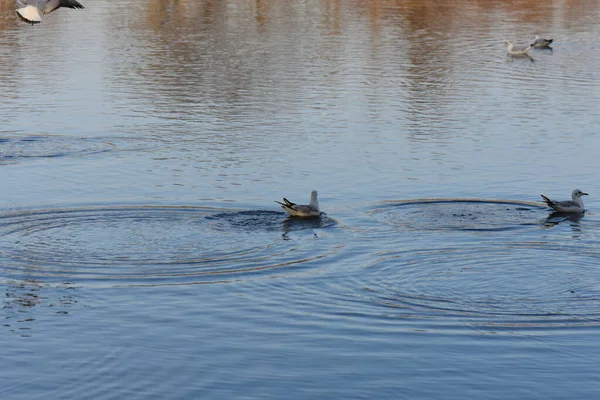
(143, 144)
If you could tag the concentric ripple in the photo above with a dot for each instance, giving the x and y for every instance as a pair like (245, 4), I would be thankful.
(154, 245)
(14, 149)
(492, 288)
(460, 214)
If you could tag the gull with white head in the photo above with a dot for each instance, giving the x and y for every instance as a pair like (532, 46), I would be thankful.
(516, 50)
(299, 210)
(568, 206)
(541, 42)
(29, 10)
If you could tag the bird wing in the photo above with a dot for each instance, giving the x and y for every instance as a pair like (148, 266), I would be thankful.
(29, 14)
(563, 206)
(567, 204)
(52, 5)
(302, 211)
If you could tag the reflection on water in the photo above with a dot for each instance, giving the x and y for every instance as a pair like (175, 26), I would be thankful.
(128, 128)
(556, 218)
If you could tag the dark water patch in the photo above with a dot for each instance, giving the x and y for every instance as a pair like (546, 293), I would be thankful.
(18, 149)
(460, 214)
(266, 220)
(129, 246)
(22, 299)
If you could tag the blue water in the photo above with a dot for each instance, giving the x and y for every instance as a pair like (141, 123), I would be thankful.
(142, 147)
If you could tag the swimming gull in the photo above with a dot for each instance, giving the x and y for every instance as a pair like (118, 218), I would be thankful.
(297, 210)
(29, 10)
(568, 206)
(540, 42)
(516, 50)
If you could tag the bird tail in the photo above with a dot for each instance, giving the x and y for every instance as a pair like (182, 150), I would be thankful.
(29, 14)
(286, 203)
(547, 200)
(550, 41)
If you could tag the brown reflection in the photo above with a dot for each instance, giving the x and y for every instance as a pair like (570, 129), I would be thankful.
(175, 15)
(262, 13)
(214, 56)
(8, 16)
(231, 59)
(9, 57)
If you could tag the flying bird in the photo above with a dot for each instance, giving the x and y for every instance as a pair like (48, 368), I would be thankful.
(304, 211)
(30, 10)
(568, 206)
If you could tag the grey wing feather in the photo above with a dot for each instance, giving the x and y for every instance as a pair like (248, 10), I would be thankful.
(563, 206)
(566, 203)
(542, 42)
(304, 209)
(52, 5)
(71, 4)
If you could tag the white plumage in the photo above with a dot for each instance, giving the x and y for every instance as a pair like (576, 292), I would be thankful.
(29, 10)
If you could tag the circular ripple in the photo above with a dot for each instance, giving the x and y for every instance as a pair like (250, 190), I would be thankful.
(14, 149)
(153, 245)
(460, 214)
(505, 287)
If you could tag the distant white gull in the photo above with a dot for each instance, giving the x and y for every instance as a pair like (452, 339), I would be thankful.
(516, 50)
(568, 206)
(297, 210)
(29, 10)
(540, 42)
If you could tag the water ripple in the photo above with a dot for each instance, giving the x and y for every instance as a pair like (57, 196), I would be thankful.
(490, 289)
(532, 284)
(128, 246)
(15, 149)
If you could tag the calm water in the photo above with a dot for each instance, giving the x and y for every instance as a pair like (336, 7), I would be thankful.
(142, 144)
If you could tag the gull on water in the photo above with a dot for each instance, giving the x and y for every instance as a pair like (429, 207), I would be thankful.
(298, 210)
(516, 50)
(540, 42)
(29, 10)
(568, 206)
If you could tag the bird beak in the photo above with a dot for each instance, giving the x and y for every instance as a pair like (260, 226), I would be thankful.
(584, 194)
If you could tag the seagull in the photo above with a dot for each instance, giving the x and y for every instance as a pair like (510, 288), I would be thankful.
(539, 42)
(516, 50)
(568, 206)
(29, 10)
(297, 210)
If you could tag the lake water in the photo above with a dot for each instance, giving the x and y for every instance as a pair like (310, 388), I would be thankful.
(142, 146)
